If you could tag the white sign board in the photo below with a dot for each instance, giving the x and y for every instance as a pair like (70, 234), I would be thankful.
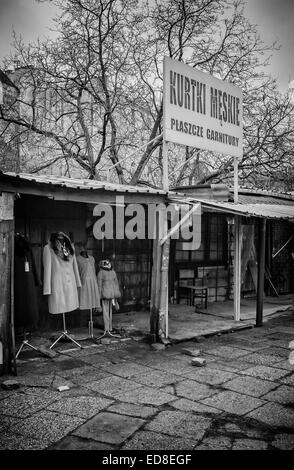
(200, 110)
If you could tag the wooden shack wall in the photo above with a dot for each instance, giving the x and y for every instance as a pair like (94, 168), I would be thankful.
(132, 262)
(6, 292)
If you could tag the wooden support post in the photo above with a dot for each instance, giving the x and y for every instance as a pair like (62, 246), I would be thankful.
(159, 283)
(237, 268)
(163, 304)
(6, 279)
(261, 269)
(155, 281)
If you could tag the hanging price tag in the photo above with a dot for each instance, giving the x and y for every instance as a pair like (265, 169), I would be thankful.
(27, 267)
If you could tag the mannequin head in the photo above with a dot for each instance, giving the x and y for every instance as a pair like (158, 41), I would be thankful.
(105, 264)
(62, 245)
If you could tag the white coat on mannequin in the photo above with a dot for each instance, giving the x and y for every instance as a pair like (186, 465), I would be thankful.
(61, 280)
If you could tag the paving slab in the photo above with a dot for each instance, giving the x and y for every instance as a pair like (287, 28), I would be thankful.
(146, 396)
(283, 441)
(97, 360)
(228, 365)
(176, 366)
(36, 380)
(228, 352)
(289, 380)
(86, 379)
(5, 393)
(283, 394)
(211, 376)
(277, 351)
(77, 443)
(6, 422)
(132, 409)
(47, 426)
(245, 430)
(194, 390)
(148, 440)
(85, 369)
(250, 386)
(112, 385)
(43, 393)
(84, 407)
(284, 365)
(22, 405)
(246, 344)
(168, 389)
(126, 370)
(249, 444)
(232, 402)
(264, 359)
(12, 441)
(274, 415)
(180, 424)
(111, 428)
(67, 364)
(213, 443)
(265, 372)
(183, 404)
(156, 378)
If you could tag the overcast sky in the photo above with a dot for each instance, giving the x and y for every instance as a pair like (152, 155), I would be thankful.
(275, 19)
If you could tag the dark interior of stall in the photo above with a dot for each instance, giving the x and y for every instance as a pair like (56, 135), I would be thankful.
(35, 219)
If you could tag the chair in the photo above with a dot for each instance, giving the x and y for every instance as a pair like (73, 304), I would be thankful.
(185, 278)
(200, 290)
(183, 289)
(190, 287)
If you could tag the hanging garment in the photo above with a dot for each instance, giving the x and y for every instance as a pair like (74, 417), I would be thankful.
(88, 292)
(26, 280)
(108, 284)
(61, 280)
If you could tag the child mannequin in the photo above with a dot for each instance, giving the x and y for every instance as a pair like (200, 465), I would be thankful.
(109, 292)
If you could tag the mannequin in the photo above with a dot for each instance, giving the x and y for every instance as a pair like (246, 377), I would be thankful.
(61, 278)
(89, 297)
(109, 293)
(26, 281)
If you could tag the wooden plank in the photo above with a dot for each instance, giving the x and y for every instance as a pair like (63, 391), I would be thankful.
(6, 243)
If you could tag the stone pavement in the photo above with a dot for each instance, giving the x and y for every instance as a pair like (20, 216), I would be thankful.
(124, 395)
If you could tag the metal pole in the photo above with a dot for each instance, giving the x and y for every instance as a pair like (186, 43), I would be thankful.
(261, 268)
(236, 183)
(165, 183)
(237, 270)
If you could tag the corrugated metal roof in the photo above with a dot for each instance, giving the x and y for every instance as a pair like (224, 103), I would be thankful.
(268, 211)
(262, 195)
(83, 184)
(258, 199)
(276, 210)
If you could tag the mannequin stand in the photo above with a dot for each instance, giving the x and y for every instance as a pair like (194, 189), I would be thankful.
(64, 334)
(107, 333)
(24, 343)
(90, 323)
